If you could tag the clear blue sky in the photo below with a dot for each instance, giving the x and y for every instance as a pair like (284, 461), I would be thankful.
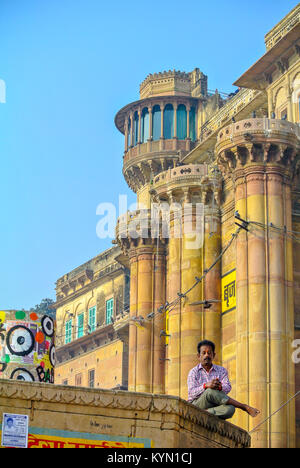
(69, 66)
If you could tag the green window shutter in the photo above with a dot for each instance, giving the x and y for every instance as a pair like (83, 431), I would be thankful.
(80, 323)
(92, 319)
(109, 311)
(68, 336)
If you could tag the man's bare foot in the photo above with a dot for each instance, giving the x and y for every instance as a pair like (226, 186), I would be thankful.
(252, 411)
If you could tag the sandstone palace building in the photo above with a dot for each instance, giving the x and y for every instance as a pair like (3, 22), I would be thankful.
(131, 317)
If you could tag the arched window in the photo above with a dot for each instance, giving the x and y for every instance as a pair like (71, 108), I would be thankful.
(168, 122)
(156, 123)
(192, 124)
(129, 133)
(181, 122)
(145, 125)
(135, 128)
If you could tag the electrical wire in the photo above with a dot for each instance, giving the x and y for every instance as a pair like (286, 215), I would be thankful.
(275, 412)
(168, 307)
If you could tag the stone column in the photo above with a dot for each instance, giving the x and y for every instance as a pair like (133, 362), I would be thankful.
(132, 361)
(257, 303)
(265, 313)
(147, 294)
(173, 384)
(191, 315)
(242, 328)
(212, 281)
(158, 323)
(280, 271)
(290, 305)
(145, 307)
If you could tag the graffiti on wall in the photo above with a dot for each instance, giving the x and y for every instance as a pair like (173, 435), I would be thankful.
(27, 348)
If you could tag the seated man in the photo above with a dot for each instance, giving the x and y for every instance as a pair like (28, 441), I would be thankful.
(208, 386)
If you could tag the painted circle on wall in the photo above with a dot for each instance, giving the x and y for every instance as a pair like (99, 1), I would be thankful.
(20, 315)
(33, 316)
(52, 355)
(39, 337)
(47, 326)
(20, 340)
(22, 374)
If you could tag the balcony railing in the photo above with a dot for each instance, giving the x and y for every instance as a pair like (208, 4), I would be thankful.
(283, 28)
(173, 145)
(265, 127)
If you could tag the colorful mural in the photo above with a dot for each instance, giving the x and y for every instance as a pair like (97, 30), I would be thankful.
(52, 438)
(27, 350)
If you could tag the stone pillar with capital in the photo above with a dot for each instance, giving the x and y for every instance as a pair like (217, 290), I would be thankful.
(147, 293)
(132, 362)
(185, 263)
(261, 165)
(212, 281)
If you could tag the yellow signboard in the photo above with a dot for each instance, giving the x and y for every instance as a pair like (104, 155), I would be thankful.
(229, 291)
(167, 326)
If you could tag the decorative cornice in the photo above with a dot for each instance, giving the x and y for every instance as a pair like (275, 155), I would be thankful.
(115, 271)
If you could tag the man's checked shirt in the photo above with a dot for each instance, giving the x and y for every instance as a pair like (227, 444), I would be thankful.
(198, 377)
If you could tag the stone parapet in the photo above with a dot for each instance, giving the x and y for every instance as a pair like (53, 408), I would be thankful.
(188, 183)
(258, 141)
(138, 229)
(173, 82)
(144, 161)
(65, 416)
(282, 28)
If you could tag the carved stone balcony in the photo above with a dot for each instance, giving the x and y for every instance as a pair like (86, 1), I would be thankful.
(146, 160)
(139, 228)
(258, 141)
(189, 183)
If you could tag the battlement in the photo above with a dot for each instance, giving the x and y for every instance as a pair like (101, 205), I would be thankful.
(174, 82)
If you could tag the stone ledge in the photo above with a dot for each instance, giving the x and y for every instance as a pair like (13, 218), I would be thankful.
(166, 413)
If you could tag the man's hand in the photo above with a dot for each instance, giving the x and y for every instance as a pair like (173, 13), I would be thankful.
(214, 384)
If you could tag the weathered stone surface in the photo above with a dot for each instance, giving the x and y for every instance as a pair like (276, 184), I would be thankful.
(166, 421)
